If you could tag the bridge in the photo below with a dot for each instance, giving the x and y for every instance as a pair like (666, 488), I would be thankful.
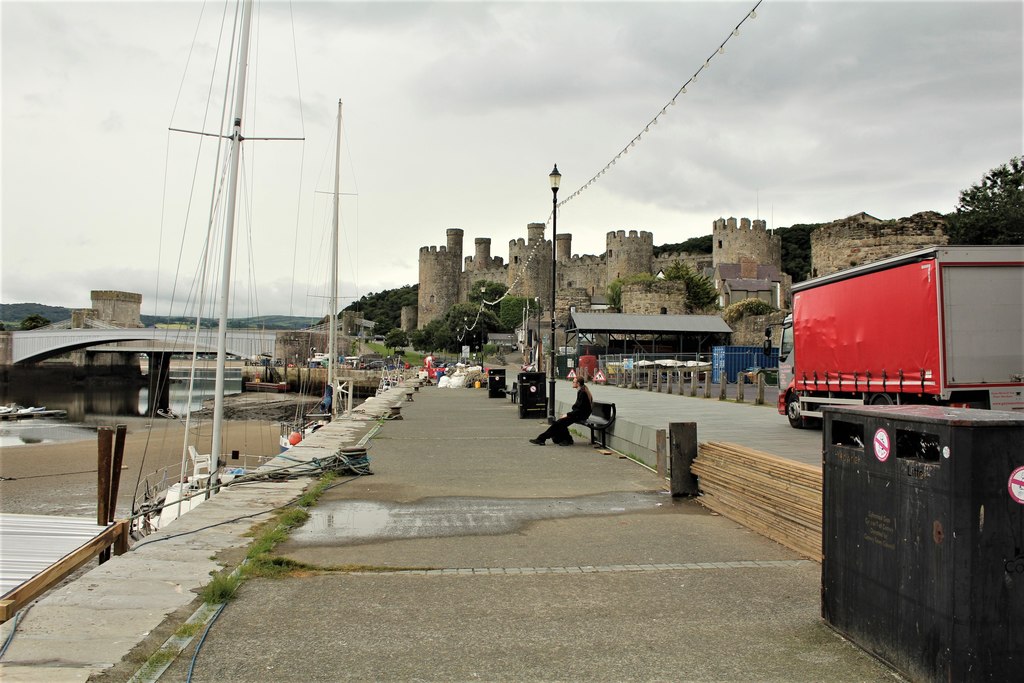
(31, 346)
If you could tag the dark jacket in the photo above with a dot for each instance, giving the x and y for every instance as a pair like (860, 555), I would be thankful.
(581, 409)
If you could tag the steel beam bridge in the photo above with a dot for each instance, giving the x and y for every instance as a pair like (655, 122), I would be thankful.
(31, 346)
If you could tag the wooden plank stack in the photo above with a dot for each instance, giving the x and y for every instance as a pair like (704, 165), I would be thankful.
(775, 497)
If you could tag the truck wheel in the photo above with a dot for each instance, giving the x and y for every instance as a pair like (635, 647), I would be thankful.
(881, 400)
(796, 421)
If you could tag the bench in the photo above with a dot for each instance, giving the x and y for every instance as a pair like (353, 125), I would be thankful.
(602, 416)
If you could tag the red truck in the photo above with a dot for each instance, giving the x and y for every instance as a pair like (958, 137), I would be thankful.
(939, 326)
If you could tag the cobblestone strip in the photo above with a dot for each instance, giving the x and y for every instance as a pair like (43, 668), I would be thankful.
(587, 569)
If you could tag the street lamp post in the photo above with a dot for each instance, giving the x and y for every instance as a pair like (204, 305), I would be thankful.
(555, 177)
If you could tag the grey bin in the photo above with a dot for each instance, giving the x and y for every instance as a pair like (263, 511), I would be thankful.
(532, 396)
(923, 538)
(496, 383)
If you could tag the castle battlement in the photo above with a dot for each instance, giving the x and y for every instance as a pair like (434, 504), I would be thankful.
(434, 249)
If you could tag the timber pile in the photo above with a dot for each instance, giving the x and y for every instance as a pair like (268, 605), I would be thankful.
(775, 497)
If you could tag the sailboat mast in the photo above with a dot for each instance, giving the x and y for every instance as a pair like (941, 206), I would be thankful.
(229, 229)
(333, 339)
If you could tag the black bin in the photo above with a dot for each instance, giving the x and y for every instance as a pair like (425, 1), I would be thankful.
(923, 538)
(532, 397)
(495, 382)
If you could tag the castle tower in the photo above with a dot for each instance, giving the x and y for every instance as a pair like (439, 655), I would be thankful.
(123, 309)
(751, 240)
(482, 257)
(440, 270)
(563, 246)
(529, 265)
(628, 254)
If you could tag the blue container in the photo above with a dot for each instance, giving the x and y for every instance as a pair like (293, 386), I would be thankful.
(736, 359)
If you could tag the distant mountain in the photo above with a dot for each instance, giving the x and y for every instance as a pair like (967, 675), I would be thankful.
(11, 316)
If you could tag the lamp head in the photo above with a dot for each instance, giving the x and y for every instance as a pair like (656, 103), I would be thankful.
(555, 178)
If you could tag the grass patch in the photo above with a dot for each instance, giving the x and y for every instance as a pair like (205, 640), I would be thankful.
(221, 589)
(189, 629)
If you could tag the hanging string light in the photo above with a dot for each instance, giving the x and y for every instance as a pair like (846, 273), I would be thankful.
(752, 14)
(663, 111)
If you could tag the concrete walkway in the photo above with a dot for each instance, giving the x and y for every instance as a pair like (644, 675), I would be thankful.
(469, 554)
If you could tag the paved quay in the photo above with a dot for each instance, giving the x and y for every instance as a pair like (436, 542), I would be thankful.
(471, 554)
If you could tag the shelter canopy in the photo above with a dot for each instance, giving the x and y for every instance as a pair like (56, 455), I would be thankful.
(629, 333)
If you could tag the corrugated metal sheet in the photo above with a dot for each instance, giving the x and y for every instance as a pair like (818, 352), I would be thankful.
(648, 324)
(31, 543)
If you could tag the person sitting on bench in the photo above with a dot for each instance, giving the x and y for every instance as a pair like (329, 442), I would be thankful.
(559, 429)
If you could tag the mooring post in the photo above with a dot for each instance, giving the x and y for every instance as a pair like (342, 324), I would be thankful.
(683, 445)
(104, 442)
(759, 398)
(741, 380)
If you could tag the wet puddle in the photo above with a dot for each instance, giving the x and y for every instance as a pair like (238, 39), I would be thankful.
(359, 521)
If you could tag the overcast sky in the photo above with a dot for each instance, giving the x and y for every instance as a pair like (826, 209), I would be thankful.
(454, 114)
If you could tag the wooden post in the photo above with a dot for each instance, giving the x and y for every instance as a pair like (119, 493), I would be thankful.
(723, 383)
(650, 379)
(707, 385)
(759, 398)
(693, 383)
(104, 440)
(115, 469)
(659, 381)
(684, 451)
(741, 380)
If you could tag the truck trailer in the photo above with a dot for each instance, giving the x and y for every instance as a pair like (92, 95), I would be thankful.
(937, 326)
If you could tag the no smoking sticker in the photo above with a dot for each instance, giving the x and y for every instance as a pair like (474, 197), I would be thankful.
(1016, 485)
(881, 443)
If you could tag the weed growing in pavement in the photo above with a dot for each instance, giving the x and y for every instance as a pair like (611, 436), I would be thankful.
(189, 629)
(221, 589)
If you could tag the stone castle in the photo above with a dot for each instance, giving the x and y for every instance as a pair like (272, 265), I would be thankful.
(746, 262)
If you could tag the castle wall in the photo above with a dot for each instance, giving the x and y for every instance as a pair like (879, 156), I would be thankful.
(650, 298)
(852, 241)
(123, 309)
(696, 262)
(409, 314)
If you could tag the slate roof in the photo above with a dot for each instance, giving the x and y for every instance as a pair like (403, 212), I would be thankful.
(647, 324)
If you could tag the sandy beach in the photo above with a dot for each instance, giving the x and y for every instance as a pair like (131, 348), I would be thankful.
(59, 478)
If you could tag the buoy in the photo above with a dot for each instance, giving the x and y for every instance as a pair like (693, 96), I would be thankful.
(294, 438)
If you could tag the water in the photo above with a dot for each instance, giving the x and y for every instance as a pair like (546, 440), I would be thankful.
(87, 402)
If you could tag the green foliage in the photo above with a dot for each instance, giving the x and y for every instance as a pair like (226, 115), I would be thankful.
(694, 245)
(13, 314)
(992, 211)
(221, 589)
(385, 308)
(33, 322)
(796, 249)
(747, 307)
(510, 311)
(396, 339)
(492, 291)
(614, 295)
(700, 291)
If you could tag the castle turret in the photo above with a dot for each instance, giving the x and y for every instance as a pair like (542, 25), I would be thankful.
(563, 246)
(529, 268)
(482, 257)
(440, 273)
